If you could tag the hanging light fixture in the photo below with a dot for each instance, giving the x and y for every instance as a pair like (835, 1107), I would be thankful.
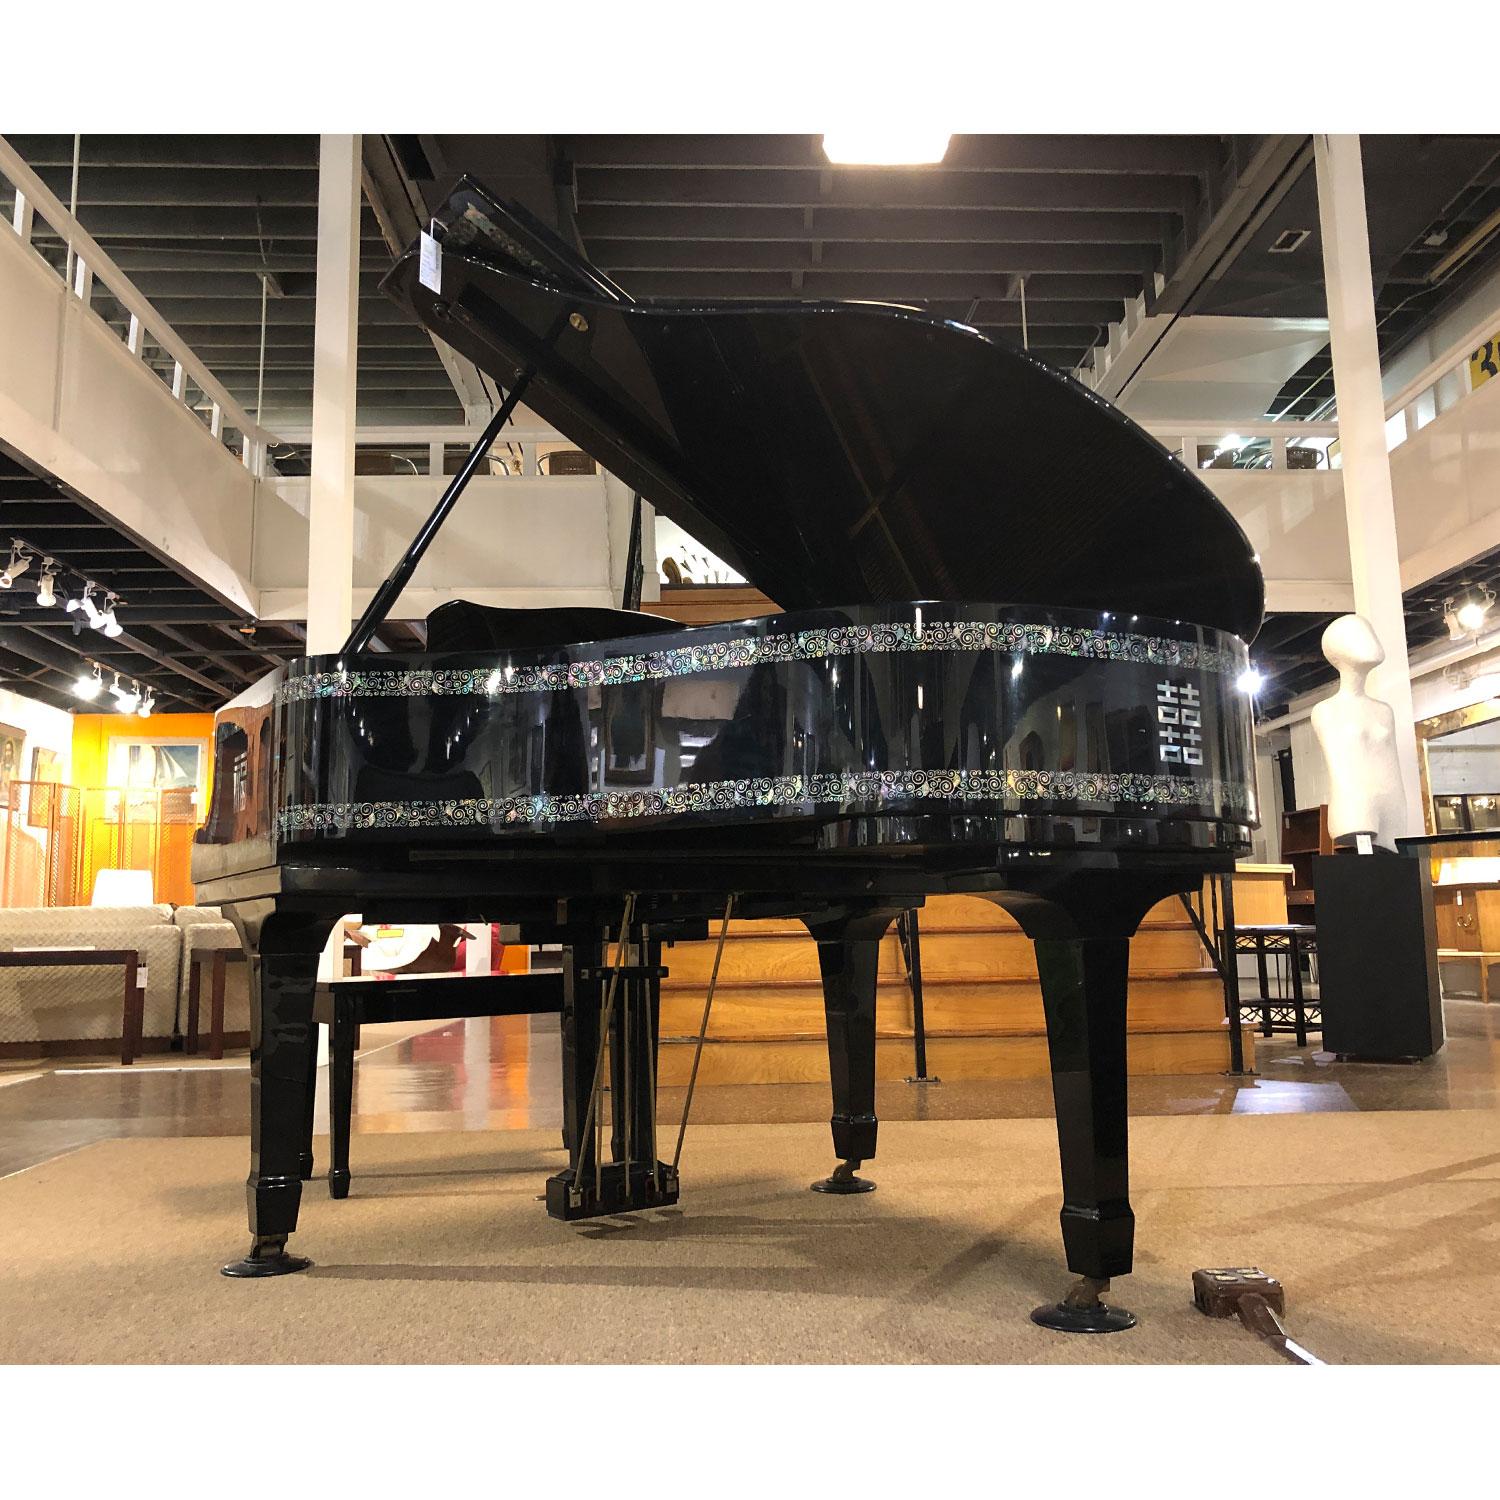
(128, 702)
(46, 585)
(20, 560)
(104, 619)
(89, 684)
(148, 704)
(886, 146)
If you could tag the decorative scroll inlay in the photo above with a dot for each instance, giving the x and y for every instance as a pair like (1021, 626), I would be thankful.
(1007, 637)
(845, 791)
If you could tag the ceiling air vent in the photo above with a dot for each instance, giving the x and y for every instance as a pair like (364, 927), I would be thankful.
(1289, 240)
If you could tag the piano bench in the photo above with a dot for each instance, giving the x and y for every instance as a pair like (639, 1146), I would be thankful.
(344, 1005)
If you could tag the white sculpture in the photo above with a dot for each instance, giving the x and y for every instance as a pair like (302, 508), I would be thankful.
(1357, 735)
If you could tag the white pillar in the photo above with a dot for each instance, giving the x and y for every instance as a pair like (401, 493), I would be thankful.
(1368, 505)
(330, 532)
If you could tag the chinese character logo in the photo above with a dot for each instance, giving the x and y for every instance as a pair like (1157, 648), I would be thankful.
(1179, 724)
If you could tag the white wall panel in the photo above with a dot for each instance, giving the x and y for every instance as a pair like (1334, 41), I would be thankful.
(524, 542)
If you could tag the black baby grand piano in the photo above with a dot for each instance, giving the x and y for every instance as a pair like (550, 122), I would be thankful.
(1007, 667)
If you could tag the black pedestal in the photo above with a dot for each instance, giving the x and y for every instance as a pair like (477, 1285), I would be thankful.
(1377, 956)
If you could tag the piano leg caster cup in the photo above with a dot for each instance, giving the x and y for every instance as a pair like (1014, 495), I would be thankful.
(1081, 1311)
(843, 1180)
(267, 1257)
(338, 1184)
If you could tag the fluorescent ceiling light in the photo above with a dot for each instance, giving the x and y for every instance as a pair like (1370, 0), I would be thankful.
(886, 147)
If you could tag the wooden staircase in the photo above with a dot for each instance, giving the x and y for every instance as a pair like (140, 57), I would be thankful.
(982, 1002)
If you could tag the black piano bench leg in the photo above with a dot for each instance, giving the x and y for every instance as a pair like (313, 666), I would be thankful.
(283, 1051)
(1083, 982)
(849, 959)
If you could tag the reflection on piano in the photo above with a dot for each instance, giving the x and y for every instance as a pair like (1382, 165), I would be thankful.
(1007, 668)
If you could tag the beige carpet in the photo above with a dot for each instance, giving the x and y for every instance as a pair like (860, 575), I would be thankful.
(1384, 1227)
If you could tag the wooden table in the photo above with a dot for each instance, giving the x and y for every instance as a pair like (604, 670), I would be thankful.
(221, 958)
(133, 1012)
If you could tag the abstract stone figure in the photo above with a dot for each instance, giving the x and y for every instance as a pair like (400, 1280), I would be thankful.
(1357, 735)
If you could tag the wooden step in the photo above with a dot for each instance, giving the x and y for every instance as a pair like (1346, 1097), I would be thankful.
(952, 1059)
(974, 954)
(1185, 1001)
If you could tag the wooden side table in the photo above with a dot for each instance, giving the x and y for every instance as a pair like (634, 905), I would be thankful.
(221, 958)
(133, 1010)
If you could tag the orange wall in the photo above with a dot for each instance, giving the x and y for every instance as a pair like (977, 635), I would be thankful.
(92, 734)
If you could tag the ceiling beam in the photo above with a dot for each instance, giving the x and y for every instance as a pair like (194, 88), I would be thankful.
(63, 656)
(876, 187)
(873, 225)
(194, 187)
(919, 259)
(261, 152)
(142, 218)
(879, 286)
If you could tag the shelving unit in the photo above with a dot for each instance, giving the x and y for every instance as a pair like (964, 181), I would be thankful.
(1304, 836)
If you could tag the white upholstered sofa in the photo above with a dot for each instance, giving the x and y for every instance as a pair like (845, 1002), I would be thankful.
(66, 1009)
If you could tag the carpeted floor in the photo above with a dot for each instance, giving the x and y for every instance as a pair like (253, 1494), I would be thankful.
(1384, 1227)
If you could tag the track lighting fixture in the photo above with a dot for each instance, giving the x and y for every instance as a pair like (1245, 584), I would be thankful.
(148, 704)
(106, 621)
(20, 560)
(1466, 614)
(89, 684)
(46, 585)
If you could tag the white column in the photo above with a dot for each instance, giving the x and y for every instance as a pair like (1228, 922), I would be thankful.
(1373, 556)
(330, 536)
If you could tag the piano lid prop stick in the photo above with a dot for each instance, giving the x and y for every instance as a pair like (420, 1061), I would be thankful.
(388, 592)
(713, 979)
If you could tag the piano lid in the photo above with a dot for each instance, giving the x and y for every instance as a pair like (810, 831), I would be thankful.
(840, 453)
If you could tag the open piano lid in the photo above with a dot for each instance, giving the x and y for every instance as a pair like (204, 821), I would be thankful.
(840, 452)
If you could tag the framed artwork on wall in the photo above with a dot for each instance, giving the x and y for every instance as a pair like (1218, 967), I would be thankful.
(44, 770)
(12, 741)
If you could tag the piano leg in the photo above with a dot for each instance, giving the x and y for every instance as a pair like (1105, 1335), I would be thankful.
(849, 959)
(283, 1048)
(1083, 995)
(1082, 932)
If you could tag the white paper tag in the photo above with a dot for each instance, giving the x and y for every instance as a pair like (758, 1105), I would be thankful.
(1363, 844)
(430, 264)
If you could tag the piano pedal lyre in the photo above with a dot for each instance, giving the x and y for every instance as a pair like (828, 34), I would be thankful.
(630, 1183)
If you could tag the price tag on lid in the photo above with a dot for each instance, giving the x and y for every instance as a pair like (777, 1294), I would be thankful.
(430, 264)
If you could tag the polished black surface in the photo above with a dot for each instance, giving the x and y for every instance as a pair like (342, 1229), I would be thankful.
(1076, 753)
(841, 453)
(843, 727)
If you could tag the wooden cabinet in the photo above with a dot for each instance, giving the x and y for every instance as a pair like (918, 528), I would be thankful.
(1304, 836)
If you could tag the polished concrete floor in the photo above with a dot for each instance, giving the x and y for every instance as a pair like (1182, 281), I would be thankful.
(503, 1074)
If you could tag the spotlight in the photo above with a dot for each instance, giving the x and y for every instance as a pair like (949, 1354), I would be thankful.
(89, 684)
(20, 560)
(105, 619)
(128, 702)
(46, 585)
(148, 704)
(85, 602)
(1466, 615)
(1250, 681)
